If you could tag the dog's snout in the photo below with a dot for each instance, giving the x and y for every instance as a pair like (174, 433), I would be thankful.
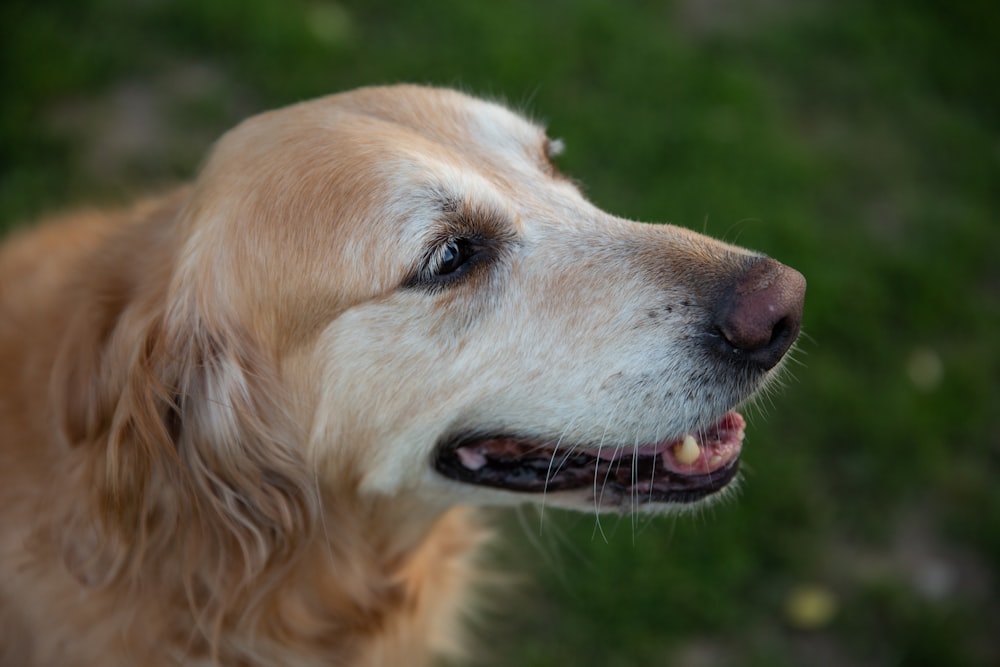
(760, 317)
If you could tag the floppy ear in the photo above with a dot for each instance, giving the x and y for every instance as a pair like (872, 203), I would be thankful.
(186, 458)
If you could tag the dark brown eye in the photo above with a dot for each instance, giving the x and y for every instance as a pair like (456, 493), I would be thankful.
(461, 251)
(451, 261)
(453, 255)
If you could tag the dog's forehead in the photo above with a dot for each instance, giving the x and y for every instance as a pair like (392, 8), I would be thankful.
(453, 119)
(399, 137)
(435, 147)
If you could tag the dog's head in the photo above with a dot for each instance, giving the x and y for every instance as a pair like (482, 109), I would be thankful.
(372, 307)
(394, 293)
(452, 319)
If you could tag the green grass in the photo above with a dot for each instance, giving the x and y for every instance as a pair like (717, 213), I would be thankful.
(856, 141)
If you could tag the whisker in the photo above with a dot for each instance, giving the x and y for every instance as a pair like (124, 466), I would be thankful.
(635, 485)
(599, 497)
(549, 475)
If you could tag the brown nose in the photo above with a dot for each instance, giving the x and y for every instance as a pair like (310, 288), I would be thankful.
(761, 316)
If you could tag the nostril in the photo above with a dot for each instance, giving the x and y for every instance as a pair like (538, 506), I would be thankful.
(761, 315)
(780, 331)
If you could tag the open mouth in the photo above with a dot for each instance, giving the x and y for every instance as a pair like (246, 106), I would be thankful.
(680, 470)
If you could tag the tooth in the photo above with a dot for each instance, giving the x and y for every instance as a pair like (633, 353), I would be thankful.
(687, 451)
(470, 458)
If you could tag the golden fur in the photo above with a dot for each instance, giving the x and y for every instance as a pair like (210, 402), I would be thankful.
(217, 408)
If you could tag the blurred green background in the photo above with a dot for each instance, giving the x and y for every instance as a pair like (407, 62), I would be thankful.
(858, 141)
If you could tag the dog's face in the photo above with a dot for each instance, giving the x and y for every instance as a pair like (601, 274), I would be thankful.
(453, 319)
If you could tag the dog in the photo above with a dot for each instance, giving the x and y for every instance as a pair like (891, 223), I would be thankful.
(248, 422)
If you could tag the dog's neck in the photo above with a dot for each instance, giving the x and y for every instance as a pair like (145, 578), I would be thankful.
(384, 580)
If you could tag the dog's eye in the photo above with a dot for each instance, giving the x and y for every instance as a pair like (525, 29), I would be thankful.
(452, 256)
(455, 257)
(449, 262)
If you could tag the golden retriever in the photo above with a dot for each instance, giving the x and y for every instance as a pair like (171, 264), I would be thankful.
(244, 424)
